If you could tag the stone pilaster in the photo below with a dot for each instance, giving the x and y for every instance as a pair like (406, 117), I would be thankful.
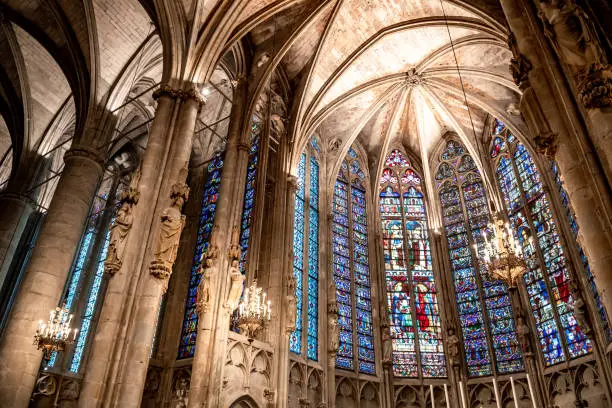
(46, 275)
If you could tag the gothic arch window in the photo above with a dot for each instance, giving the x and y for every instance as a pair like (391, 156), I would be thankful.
(306, 255)
(351, 268)
(484, 306)
(87, 272)
(248, 204)
(412, 300)
(207, 218)
(548, 279)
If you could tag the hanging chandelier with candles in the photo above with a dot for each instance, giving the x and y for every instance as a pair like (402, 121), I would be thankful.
(502, 253)
(55, 335)
(253, 311)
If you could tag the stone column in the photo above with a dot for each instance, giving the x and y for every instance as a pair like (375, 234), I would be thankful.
(556, 132)
(573, 37)
(16, 208)
(162, 245)
(205, 360)
(107, 345)
(46, 275)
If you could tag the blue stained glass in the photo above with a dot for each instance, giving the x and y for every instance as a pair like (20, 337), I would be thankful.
(295, 341)
(313, 261)
(547, 281)
(249, 195)
(411, 288)
(483, 306)
(603, 316)
(207, 217)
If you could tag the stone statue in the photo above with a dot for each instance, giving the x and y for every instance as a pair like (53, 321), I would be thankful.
(387, 344)
(452, 345)
(291, 304)
(169, 235)
(207, 262)
(580, 310)
(333, 327)
(572, 32)
(121, 226)
(522, 330)
(236, 286)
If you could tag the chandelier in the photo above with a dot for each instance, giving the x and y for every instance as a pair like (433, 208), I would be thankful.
(55, 334)
(253, 311)
(502, 255)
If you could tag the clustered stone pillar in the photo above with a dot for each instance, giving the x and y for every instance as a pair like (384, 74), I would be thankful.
(119, 358)
(556, 131)
(46, 275)
(213, 321)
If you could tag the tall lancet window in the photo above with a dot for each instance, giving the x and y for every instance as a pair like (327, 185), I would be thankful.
(207, 219)
(548, 279)
(248, 204)
(351, 268)
(483, 305)
(87, 274)
(306, 255)
(571, 218)
(412, 295)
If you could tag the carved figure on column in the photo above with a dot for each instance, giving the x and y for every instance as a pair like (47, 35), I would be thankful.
(574, 36)
(236, 277)
(170, 228)
(333, 332)
(387, 344)
(519, 64)
(522, 330)
(452, 345)
(122, 225)
(207, 262)
(291, 301)
(580, 310)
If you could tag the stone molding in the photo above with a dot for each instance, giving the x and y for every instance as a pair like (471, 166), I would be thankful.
(84, 152)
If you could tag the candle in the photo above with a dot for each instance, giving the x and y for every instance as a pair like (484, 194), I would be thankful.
(514, 392)
(446, 396)
(497, 402)
(431, 393)
(533, 401)
(463, 401)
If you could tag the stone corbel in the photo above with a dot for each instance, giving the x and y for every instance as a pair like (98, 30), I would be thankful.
(171, 225)
(122, 225)
(595, 86)
(546, 144)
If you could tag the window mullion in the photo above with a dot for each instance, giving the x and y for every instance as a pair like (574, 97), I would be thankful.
(349, 206)
(476, 265)
(305, 259)
(417, 348)
(541, 263)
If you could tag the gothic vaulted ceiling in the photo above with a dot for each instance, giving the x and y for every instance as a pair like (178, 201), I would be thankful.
(386, 72)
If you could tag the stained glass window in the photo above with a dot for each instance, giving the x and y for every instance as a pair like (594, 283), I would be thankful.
(249, 192)
(306, 256)
(484, 306)
(571, 218)
(87, 272)
(205, 227)
(351, 268)
(412, 301)
(548, 280)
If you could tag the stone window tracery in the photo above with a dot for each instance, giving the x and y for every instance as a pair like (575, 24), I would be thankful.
(484, 307)
(351, 268)
(412, 295)
(306, 256)
(548, 280)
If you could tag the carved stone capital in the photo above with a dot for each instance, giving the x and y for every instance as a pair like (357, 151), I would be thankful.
(193, 94)
(269, 394)
(84, 152)
(595, 86)
(292, 183)
(243, 147)
(546, 144)
(166, 90)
